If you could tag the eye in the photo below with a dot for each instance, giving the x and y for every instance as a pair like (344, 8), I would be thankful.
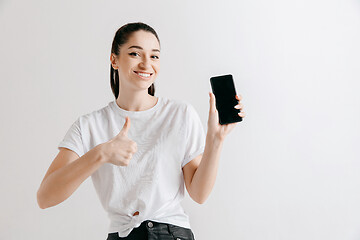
(156, 56)
(133, 53)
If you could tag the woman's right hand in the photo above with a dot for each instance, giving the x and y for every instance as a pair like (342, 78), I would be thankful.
(120, 149)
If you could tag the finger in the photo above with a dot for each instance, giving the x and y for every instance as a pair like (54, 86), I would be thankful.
(212, 102)
(238, 97)
(239, 106)
(242, 114)
(126, 126)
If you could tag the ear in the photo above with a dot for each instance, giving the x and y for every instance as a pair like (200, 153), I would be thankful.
(113, 61)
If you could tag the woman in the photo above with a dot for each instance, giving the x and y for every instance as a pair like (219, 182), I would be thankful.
(140, 150)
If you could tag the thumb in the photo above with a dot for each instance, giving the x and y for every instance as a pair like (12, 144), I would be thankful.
(212, 102)
(126, 126)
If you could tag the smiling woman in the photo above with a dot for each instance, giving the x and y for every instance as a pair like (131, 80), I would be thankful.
(139, 172)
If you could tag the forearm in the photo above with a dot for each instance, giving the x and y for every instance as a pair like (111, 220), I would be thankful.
(60, 184)
(204, 177)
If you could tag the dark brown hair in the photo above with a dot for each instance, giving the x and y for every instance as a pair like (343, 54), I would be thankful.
(121, 37)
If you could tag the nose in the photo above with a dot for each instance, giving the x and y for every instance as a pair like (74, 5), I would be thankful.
(145, 63)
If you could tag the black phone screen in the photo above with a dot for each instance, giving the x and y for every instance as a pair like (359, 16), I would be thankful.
(224, 90)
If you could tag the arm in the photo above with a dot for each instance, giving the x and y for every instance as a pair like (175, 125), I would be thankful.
(65, 175)
(200, 173)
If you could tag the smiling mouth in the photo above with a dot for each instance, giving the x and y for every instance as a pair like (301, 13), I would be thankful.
(143, 74)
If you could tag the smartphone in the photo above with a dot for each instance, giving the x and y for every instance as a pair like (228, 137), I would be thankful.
(224, 90)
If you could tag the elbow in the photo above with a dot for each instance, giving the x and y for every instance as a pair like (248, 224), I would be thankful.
(199, 200)
(40, 200)
(199, 197)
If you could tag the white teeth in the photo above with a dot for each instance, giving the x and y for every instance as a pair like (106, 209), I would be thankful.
(143, 74)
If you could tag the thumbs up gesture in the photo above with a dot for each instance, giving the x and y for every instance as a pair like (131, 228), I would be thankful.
(120, 149)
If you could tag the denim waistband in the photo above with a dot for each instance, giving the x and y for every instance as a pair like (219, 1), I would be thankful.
(153, 229)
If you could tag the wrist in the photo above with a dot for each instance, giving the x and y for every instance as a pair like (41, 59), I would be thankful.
(214, 139)
(100, 153)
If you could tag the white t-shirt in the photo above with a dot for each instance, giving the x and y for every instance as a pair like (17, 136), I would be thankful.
(168, 136)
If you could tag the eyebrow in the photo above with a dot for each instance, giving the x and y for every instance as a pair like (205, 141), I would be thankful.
(155, 50)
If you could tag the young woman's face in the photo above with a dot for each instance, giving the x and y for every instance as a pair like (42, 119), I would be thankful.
(139, 60)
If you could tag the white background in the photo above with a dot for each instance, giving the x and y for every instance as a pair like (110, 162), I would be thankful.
(290, 170)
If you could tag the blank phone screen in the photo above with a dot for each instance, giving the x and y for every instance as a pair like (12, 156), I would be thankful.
(225, 94)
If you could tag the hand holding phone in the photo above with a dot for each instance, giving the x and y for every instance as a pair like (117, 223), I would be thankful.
(225, 97)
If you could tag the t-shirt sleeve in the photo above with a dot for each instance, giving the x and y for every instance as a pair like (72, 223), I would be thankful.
(73, 140)
(195, 136)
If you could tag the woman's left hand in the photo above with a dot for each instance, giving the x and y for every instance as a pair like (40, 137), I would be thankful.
(215, 129)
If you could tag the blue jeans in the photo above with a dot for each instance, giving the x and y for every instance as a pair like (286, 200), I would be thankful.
(150, 230)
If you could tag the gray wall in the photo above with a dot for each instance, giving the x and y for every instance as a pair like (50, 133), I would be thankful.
(290, 170)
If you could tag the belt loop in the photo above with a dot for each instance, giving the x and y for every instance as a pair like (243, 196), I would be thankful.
(169, 229)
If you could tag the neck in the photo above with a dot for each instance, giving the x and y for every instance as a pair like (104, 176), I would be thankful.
(138, 101)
